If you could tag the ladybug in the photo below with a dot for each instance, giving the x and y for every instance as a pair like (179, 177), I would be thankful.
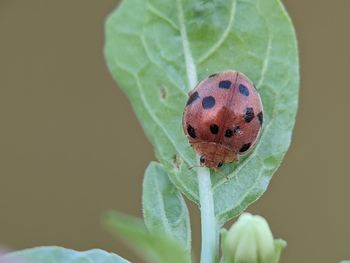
(223, 118)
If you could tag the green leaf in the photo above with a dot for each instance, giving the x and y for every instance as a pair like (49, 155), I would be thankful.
(61, 255)
(164, 208)
(154, 247)
(157, 49)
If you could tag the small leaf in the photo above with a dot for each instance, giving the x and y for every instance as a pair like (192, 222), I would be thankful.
(164, 208)
(157, 49)
(153, 247)
(54, 254)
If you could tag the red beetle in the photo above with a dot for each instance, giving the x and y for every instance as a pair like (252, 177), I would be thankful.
(223, 118)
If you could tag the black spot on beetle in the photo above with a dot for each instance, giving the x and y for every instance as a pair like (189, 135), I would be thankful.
(220, 164)
(191, 131)
(228, 133)
(243, 90)
(192, 98)
(245, 147)
(208, 102)
(261, 117)
(225, 84)
(248, 114)
(214, 129)
(202, 159)
(237, 129)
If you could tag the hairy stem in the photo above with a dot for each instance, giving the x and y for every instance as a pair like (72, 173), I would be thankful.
(210, 236)
(209, 225)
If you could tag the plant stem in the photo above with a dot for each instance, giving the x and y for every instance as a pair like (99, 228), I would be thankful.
(209, 225)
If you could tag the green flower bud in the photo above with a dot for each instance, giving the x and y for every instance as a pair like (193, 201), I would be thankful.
(250, 240)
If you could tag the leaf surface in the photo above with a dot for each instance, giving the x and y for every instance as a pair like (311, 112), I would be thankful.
(53, 254)
(157, 49)
(164, 208)
(154, 247)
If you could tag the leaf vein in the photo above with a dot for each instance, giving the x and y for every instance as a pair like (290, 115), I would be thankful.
(267, 57)
(190, 66)
(149, 56)
(163, 215)
(151, 113)
(224, 35)
(158, 13)
(156, 120)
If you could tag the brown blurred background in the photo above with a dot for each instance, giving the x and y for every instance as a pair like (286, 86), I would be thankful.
(71, 147)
